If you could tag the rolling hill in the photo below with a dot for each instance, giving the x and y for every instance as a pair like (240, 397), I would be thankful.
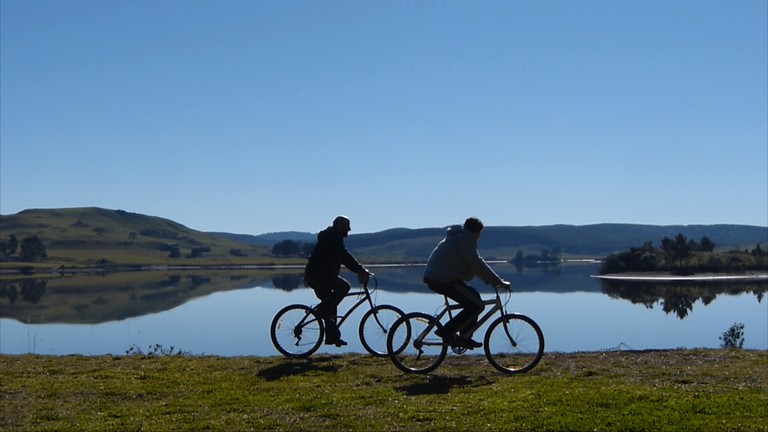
(96, 236)
(101, 236)
(594, 241)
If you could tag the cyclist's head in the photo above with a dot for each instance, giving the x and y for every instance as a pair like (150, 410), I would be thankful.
(341, 224)
(473, 225)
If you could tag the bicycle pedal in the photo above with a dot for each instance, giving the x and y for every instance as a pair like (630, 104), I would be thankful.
(458, 350)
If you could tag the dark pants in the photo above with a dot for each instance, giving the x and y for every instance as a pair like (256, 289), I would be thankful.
(467, 297)
(330, 291)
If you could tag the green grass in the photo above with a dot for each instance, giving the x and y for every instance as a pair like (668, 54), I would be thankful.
(658, 390)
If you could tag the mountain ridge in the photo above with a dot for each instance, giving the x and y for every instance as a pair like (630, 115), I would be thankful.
(119, 235)
(591, 240)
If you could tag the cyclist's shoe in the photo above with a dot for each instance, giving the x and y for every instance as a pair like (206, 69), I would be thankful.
(338, 341)
(333, 335)
(447, 335)
(469, 343)
(451, 339)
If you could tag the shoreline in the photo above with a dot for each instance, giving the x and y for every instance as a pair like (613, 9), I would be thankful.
(668, 277)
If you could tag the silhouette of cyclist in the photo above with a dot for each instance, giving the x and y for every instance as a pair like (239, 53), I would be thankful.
(322, 275)
(453, 261)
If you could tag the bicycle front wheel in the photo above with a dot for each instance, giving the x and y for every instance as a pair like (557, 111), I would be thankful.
(297, 331)
(412, 345)
(375, 326)
(514, 343)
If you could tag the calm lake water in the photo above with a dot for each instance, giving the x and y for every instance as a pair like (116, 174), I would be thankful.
(228, 313)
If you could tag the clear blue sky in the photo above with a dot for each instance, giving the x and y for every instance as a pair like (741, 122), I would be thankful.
(261, 116)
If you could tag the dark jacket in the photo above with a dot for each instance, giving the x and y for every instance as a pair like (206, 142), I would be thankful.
(328, 256)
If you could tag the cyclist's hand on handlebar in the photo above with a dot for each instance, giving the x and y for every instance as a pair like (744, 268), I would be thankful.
(363, 276)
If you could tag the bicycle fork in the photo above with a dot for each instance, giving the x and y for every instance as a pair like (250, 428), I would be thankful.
(509, 335)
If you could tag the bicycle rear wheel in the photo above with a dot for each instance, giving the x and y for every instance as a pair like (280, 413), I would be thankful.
(412, 345)
(514, 343)
(297, 331)
(375, 326)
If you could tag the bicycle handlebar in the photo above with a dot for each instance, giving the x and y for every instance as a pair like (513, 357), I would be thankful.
(375, 282)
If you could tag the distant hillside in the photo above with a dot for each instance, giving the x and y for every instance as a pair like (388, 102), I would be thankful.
(98, 235)
(267, 239)
(597, 240)
(587, 240)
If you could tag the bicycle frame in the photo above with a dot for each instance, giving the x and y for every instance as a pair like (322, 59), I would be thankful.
(366, 297)
(512, 343)
(448, 308)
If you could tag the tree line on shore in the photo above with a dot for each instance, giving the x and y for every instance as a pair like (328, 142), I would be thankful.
(30, 249)
(678, 254)
(681, 255)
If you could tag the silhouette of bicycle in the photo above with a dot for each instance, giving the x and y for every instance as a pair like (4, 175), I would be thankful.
(513, 343)
(297, 330)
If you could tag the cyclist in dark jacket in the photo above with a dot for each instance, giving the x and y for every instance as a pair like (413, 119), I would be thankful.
(322, 274)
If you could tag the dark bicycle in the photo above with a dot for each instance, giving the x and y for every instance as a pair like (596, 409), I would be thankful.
(513, 343)
(298, 331)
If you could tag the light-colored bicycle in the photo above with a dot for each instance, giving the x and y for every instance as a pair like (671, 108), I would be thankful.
(513, 343)
(298, 331)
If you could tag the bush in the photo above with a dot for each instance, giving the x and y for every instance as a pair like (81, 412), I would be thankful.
(733, 338)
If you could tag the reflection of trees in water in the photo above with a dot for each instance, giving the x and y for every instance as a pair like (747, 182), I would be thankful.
(94, 298)
(175, 286)
(30, 290)
(199, 280)
(678, 298)
(176, 280)
(171, 280)
(10, 291)
(678, 302)
(552, 267)
(287, 282)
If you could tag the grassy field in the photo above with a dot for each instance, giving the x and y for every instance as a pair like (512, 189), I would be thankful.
(706, 390)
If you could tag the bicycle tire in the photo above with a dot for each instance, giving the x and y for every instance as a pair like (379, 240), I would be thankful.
(374, 328)
(297, 331)
(514, 343)
(411, 354)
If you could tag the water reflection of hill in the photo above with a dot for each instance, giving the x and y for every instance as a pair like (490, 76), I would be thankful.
(117, 296)
(114, 296)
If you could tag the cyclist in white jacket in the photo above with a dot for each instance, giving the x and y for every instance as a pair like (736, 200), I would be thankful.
(454, 261)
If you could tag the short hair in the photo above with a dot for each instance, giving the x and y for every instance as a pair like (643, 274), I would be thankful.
(473, 224)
